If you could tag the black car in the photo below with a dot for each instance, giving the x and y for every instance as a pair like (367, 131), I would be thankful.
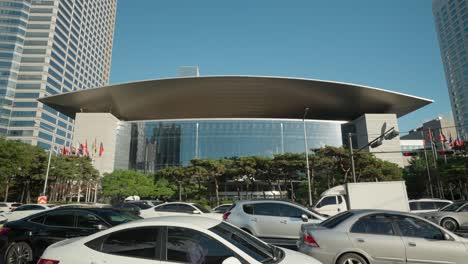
(24, 240)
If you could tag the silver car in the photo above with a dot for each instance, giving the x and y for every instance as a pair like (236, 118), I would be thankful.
(378, 237)
(277, 222)
(452, 217)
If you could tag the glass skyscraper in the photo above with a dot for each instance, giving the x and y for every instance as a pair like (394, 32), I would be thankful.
(48, 48)
(451, 21)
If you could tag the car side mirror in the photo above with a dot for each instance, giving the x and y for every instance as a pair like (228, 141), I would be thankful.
(100, 227)
(196, 212)
(231, 260)
(304, 218)
(447, 237)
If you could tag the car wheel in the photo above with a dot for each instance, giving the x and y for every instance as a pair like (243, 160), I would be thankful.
(449, 224)
(19, 253)
(351, 258)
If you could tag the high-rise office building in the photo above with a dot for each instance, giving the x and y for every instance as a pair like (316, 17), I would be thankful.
(451, 21)
(47, 48)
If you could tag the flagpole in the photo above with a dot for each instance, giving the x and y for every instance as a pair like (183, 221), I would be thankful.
(434, 154)
(441, 137)
(427, 167)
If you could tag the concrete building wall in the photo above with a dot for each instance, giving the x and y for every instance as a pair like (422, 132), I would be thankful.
(99, 127)
(371, 126)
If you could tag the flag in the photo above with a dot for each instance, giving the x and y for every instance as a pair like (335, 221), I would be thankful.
(459, 142)
(86, 152)
(429, 137)
(64, 151)
(451, 142)
(101, 149)
(442, 137)
(73, 150)
(94, 149)
(80, 149)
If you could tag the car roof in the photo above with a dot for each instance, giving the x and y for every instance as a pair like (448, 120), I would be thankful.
(188, 220)
(430, 200)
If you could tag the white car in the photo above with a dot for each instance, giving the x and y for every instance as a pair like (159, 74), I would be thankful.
(8, 206)
(221, 209)
(277, 222)
(174, 239)
(27, 210)
(178, 208)
(427, 205)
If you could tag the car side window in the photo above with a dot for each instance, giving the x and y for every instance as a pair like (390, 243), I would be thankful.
(136, 242)
(464, 208)
(62, 218)
(290, 211)
(269, 209)
(413, 227)
(329, 200)
(3, 205)
(184, 208)
(190, 246)
(248, 209)
(340, 199)
(167, 208)
(441, 204)
(374, 224)
(88, 220)
(413, 206)
(428, 206)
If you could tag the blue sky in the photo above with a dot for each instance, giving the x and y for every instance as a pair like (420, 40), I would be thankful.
(386, 44)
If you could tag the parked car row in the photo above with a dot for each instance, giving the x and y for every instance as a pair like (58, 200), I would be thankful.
(373, 236)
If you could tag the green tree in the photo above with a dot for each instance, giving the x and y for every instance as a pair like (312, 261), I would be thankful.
(122, 183)
(214, 170)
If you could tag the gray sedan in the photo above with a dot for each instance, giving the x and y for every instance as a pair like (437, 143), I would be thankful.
(452, 217)
(381, 237)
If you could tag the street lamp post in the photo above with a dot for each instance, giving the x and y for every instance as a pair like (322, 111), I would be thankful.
(48, 162)
(307, 156)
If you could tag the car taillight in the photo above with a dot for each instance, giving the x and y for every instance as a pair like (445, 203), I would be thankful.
(48, 261)
(310, 241)
(4, 230)
(226, 216)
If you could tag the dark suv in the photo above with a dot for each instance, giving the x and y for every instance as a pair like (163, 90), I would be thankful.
(25, 240)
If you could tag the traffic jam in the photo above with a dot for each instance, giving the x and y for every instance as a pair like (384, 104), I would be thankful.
(355, 223)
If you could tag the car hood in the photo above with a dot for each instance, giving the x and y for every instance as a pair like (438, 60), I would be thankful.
(294, 257)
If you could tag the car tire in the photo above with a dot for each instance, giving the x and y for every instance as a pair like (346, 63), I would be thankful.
(450, 224)
(351, 258)
(19, 253)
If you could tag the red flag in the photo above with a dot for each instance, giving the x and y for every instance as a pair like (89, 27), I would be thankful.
(459, 142)
(64, 151)
(80, 149)
(442, 137)
(429, 137)
(86, 152)
(101, 149)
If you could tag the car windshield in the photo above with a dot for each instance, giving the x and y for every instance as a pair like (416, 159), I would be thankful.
(201, 208)
(336, 220)
(252, 246)
(452, 207)
(116, 217)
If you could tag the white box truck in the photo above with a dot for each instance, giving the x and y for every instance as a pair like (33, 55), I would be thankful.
(364, 195)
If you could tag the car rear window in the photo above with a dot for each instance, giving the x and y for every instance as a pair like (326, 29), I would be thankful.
(142, 205)
(116, 217)
(333, 221)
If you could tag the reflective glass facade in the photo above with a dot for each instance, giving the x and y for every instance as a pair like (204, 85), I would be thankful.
(49, 47)
(156, 144)
(451, 21)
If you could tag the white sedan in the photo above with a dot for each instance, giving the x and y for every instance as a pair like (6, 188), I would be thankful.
(27, 210)
(173, 239)
(178, 208)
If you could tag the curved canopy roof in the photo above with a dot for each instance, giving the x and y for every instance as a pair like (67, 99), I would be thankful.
(235, 97)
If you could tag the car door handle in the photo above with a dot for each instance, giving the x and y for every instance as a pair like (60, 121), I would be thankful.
(253, 219)
(284, 222)
(411, 244)
(360, 240)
